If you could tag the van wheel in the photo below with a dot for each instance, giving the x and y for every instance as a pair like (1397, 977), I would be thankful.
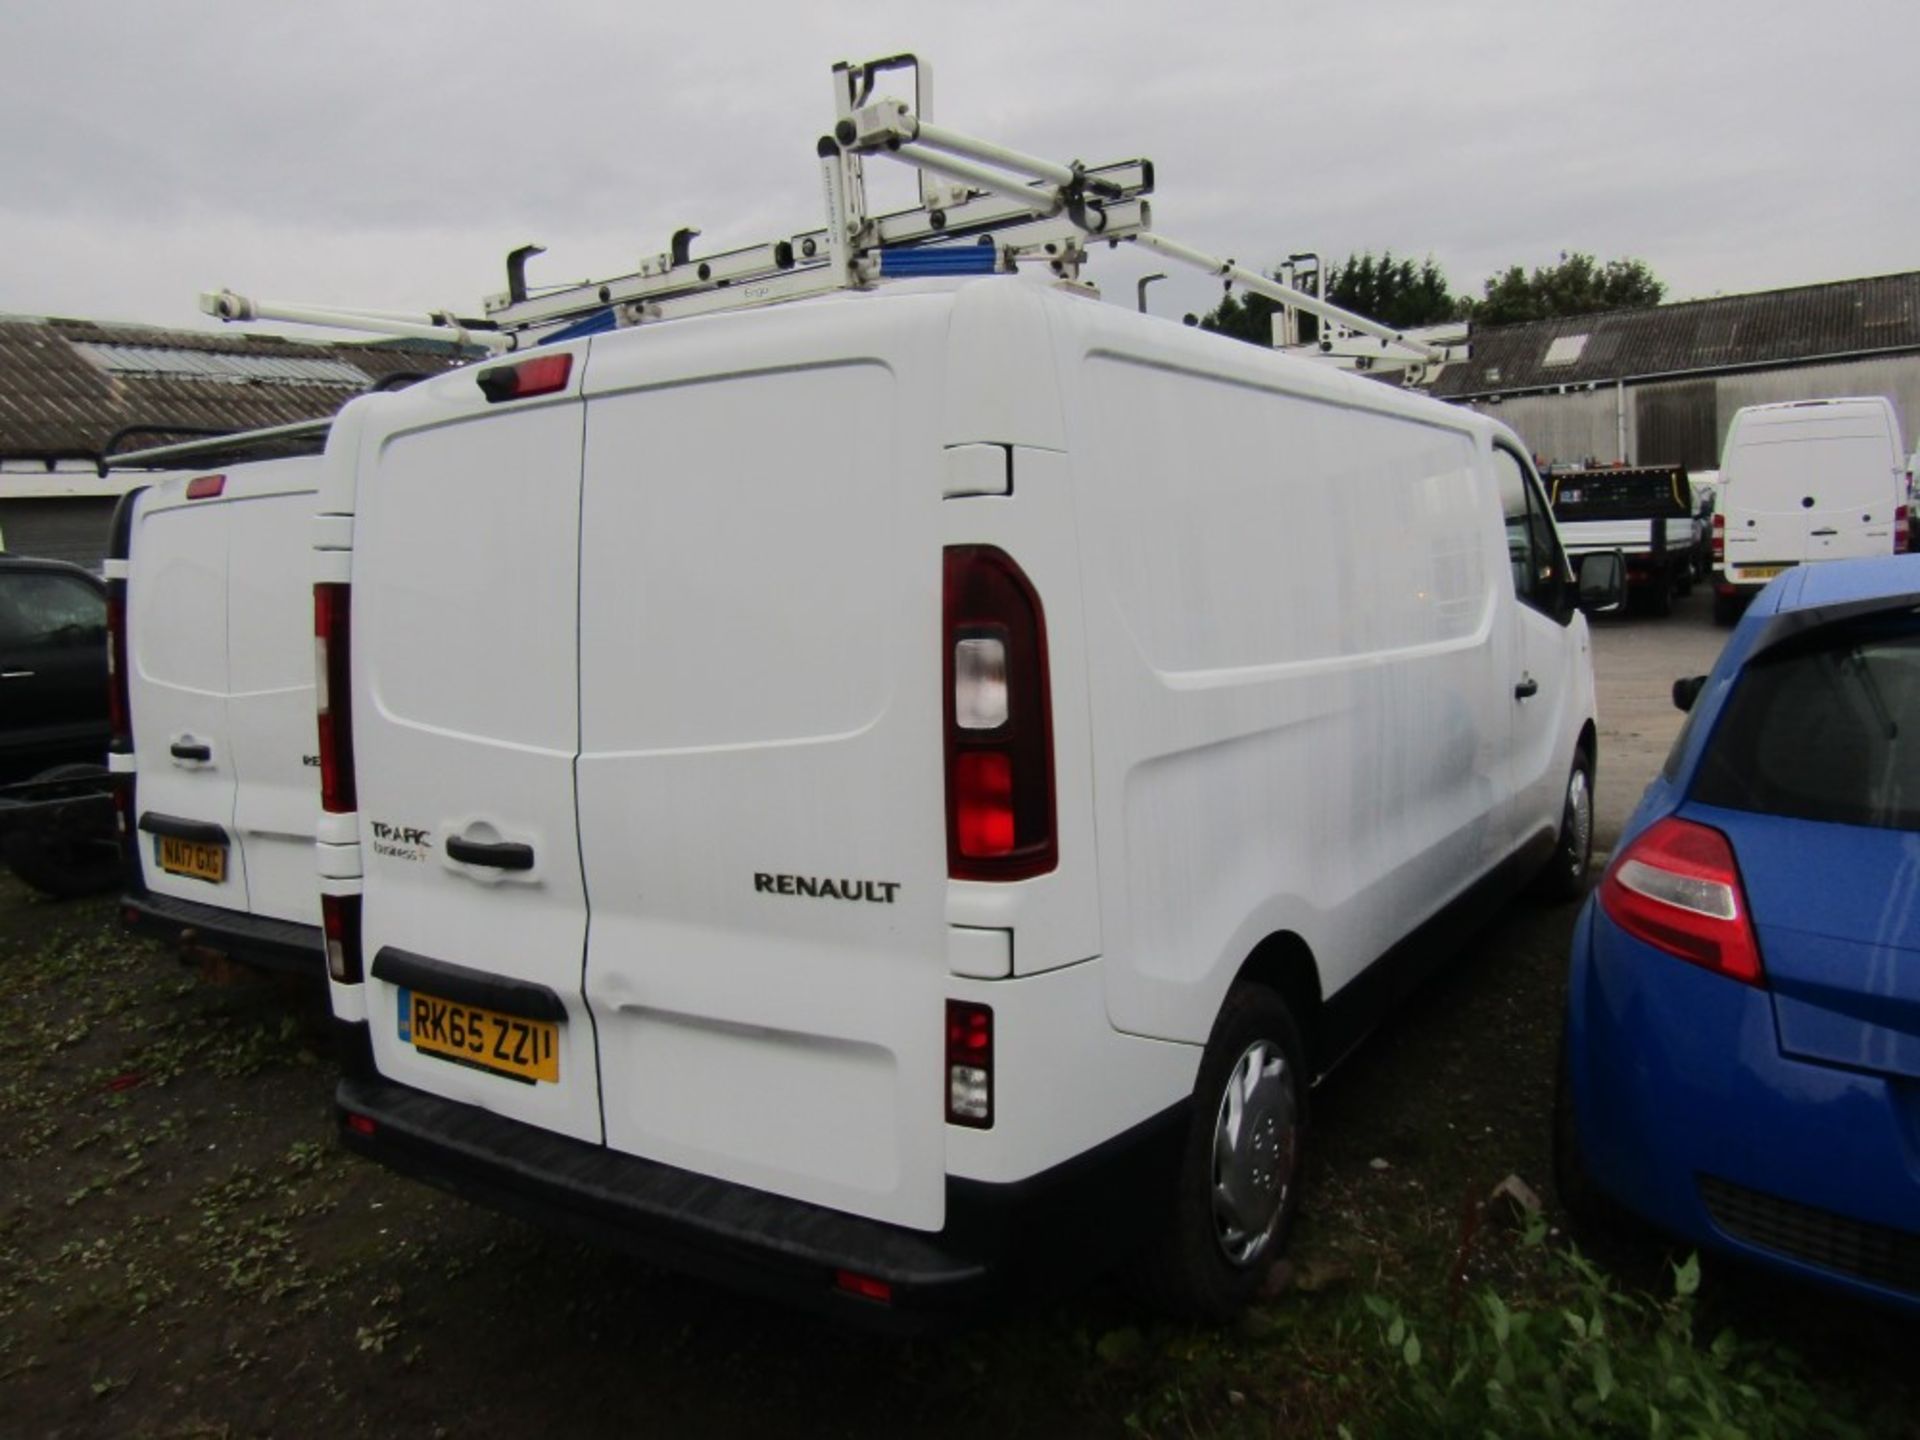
(1726, 610)
(1565, 876)
(1239, 1182)
(67, 862)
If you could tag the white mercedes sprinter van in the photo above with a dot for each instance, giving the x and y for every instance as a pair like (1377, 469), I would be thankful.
(211, 632)
(882, 798)
(1801, 482)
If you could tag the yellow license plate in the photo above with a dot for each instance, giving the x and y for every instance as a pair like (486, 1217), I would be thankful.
(1761, 572)
(510, 1045)
(193, 858)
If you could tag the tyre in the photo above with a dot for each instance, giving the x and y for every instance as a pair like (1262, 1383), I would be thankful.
(1565, 875)
(1726, 610)
(1590, 1207)
(1683, 579)
(66, 862)
(1660, 595)
(1238, 1185)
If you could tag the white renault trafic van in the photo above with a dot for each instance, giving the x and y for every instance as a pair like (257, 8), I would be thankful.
(880, 798)
(213, 661)
(1801, 482)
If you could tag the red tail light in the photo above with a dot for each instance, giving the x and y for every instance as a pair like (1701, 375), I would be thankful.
(1678, 888)
(1000, 813)
(119, 710)
(340, 920)
(542, 375)
(1719, 539)
(331, 652)
(970, 1064)
(865, 1286)
(361, 1124)
(1902, 542)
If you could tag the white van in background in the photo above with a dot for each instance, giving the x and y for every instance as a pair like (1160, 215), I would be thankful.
(213, 650)
(884, 798)
(1801, 482)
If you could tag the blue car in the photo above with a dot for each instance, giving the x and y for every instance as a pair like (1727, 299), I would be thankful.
(1742, 1044)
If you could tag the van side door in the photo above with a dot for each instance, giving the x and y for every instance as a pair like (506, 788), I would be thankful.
(1544, 670)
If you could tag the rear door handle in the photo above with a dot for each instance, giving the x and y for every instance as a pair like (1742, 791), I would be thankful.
(16, 674)
(1828, 531)
(1527, 688)
(498, 855)
(189, 750)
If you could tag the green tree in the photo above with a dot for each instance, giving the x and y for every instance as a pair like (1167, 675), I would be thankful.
(1578, 285)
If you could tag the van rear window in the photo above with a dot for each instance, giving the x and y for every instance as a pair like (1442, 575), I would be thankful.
(1827, 728)
(1629, 495)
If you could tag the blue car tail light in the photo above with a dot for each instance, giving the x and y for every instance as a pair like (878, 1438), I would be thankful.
(1677, 887)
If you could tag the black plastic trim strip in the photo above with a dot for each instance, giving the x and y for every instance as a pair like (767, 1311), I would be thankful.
(201, 832)
(283, 945)
(120, 534)
(445, 980)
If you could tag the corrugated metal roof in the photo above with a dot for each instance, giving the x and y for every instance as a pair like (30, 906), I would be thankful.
(1773, 327)
(66, 386)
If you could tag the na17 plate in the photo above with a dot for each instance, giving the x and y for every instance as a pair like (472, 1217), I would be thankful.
(510, 1045)
(193, 858)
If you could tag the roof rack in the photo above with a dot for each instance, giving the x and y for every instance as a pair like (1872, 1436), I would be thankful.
(983, 209)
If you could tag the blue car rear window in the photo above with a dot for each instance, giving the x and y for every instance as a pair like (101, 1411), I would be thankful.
(1824, 728)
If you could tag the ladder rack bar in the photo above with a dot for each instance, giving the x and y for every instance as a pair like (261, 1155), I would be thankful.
(1039, 201)
(214, 445)
(1262, 285)
(952, 142)
(239, 309)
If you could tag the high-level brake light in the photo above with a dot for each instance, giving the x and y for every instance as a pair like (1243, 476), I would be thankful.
(1677, 887)
(206, 487)
(999, 739)
(522, 380)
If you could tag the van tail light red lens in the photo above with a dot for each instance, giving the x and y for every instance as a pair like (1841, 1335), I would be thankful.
(865, 1286)
(361, 1124)
(970, 1064)
(1719, 539)
(340, 921)
(542, 375)
(1677, 887)
(999, 735)
(119, 708)
(332, 652)
(1902, 541)
(206, 487)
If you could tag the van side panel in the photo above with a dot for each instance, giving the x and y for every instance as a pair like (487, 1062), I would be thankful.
(760, 779)
(466, 724)
(1298, 661)
(270, 704)
(177, 682)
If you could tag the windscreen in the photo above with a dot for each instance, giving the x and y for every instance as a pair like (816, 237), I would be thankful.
(1825, 728)
(1622, 495)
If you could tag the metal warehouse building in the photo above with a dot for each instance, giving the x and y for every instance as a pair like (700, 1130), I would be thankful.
(1660, 385)
(73, 391)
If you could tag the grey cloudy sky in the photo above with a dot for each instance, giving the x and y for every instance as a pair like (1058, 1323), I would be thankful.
(389, 154)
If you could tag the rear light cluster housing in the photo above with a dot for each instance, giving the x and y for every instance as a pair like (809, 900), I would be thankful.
(340, 922)
(970, 1064)
(332, 653)
(1677, 887)
(999, 737)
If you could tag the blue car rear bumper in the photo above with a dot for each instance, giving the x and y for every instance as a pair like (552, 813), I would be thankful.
(1690, 1116)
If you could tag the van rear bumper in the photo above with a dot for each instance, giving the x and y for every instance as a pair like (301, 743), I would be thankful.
(252, 939)
(1057, 1228)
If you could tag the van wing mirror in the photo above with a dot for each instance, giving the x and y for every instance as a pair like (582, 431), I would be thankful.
(1687, 690)
(1603, 582)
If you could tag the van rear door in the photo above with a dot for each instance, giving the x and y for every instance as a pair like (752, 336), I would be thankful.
(270, 685)
(177, 688)
(465, 727)
(761, 780)
(1817, 484)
